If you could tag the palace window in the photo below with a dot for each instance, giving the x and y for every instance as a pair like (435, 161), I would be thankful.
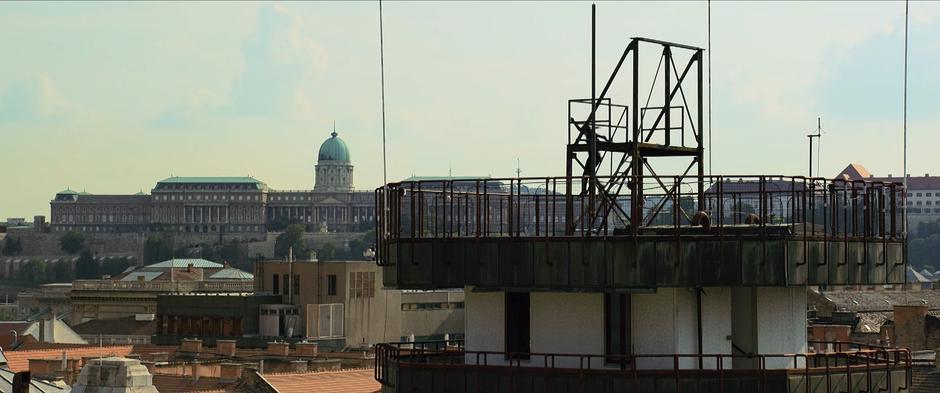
(331, 285)
(275, 284)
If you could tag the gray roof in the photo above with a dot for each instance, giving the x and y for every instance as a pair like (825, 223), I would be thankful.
(181, 263)
(211, 179)
(231, 274)
(35, 386)
(148, 276)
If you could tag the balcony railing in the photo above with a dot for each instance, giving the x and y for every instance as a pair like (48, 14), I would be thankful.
(850, 368)
(623, 206)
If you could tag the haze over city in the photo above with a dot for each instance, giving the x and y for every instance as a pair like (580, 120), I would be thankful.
(112, 99)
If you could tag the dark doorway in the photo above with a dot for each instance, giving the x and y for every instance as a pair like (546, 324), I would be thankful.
(517, 325)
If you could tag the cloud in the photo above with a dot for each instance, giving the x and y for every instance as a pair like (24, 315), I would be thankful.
(280, 64)
(34, 98)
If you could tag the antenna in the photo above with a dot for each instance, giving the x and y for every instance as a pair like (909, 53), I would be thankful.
(518, 168)
(818, 134)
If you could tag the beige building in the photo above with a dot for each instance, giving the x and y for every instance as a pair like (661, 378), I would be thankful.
(134, 292)
(345, 299)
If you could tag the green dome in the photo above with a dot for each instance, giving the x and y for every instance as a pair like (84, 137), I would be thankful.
(334, 149)
(67, 192)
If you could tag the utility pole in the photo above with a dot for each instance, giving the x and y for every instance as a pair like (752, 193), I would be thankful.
(818, 134)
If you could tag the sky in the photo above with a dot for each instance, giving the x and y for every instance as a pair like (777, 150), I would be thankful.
(110, 98)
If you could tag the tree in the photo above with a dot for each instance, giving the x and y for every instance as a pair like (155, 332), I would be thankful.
(327, 252)
(281, 223)
(33, 271)
(292, 238)
(62, 272)
(87, 267)
(156, 250)
(12, 246)
(72, 242)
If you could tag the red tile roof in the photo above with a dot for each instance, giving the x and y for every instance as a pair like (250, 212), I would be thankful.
(858, 172)
(181, 384)
(345, 381)
(19, 360)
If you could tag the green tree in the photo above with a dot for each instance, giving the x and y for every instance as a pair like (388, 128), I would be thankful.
(72, 242)
(156, 250)
(292, 238)
(281, 223)
(62, 271)
(327, 252)
(12, 246)
(32, 271)
(87, 267)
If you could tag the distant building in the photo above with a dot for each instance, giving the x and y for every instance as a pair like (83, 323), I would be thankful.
(344, 300)
(135, 291)
(232, 207)
(923, 192)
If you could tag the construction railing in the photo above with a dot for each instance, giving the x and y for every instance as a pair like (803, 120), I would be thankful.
(856, 361)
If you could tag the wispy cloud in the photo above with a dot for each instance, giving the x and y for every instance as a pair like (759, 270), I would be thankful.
(34, 99)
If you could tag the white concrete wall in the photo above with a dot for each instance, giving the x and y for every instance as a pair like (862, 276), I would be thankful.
(716, 325)
(781, 323)
(485, 324)
(568, 323)
(665, 322)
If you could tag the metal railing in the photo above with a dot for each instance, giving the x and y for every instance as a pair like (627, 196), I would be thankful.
(852, 359)
(550, 207)
(163, 286)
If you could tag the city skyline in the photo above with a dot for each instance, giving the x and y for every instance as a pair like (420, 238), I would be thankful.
(253, 89)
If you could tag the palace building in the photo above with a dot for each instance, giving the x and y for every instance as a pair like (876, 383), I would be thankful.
(232, 206)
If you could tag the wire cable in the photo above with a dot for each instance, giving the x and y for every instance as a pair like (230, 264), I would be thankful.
(906, 17)
(708, 51)
(384, 159)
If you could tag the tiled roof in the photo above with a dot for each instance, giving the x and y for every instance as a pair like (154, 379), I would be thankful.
(123, 326)
(19, 360)
(181, 263)
(346, 381)
(185, 384)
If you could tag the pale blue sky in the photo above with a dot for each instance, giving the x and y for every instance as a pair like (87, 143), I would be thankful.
(112, 97)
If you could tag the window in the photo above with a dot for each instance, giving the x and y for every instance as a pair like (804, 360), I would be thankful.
(286, 280)
(275, 284)
(331, 285)
(361, 284)
(616, 327)
(517, 325)
(296, 284)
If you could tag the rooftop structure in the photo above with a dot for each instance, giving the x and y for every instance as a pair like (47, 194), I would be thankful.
(618, 273)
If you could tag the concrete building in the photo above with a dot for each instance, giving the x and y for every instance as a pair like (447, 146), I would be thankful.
(617, 297)
(51, 299)
(135, 291)
(923, 192)
(344, 300)
(230, 207)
